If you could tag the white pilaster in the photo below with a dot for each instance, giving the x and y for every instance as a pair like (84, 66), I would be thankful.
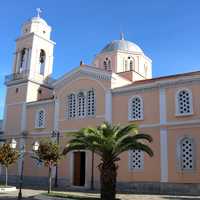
(108, 106)
(162, 106)
(163, 138)
(164, 155)
(23, 117)
(56, 114)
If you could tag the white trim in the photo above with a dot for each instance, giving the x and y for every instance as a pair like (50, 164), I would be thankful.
(108, 106)
(177, 102)
(99, 73)
(164, 155)
(130, 108)
(163, 113)
(168, 82)
(40, 102)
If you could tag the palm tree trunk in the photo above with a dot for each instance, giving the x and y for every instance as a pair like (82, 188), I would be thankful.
(6, 176)
(108, 181)
(49, 177)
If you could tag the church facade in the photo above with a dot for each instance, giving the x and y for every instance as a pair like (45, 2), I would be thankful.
(117, 87)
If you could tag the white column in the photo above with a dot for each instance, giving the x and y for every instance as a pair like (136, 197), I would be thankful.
(17, 62)
(56, 114)
(163, 138)
(163, 117)
(108, 106)
(164, 155)
(23, 117)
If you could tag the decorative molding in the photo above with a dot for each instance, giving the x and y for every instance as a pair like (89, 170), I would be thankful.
(94, 73)
(156, 84)
(35, 103)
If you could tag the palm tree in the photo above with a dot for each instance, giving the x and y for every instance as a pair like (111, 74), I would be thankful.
(109, 142)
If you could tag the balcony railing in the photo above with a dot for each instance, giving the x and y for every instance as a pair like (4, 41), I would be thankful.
(27, 75)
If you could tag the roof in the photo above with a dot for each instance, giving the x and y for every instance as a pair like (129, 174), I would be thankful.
(162, 78)
(121, 45)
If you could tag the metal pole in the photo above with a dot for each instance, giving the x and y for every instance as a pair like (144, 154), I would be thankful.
(56, 175)
(21, 179)
(92, 174)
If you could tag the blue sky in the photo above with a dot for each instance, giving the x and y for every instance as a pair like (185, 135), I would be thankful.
(168, 31)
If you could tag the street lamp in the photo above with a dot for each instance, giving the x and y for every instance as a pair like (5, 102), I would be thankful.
(56, 134)
(13, 145)
(36, 146)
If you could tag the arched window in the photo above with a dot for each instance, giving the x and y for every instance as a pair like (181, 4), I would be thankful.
(107, 64)
(186, 153)
(71, 106)
(136, 160)
(40, 119)
(131, 63)
(42, 61)
(184, 102)
(135, 108)
(81, 104)
(22, 60)
(91, 104)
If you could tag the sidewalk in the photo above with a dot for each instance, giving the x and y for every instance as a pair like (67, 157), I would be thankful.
(29, 194)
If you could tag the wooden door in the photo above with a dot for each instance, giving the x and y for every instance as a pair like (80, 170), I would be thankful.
(79, 169)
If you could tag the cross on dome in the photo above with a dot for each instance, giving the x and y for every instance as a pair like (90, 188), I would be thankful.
(38, 12)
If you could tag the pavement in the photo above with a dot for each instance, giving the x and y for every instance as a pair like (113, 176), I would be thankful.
(29, 194)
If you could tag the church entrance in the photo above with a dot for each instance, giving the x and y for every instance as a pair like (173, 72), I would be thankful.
(79, 168)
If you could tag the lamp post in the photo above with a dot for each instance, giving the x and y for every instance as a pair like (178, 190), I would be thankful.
(57, 135)
(13, 145)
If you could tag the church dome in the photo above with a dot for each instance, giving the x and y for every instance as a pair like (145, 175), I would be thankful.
(121, 45)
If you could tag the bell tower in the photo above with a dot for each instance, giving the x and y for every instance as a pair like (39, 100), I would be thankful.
(31, 74)
(34, 50)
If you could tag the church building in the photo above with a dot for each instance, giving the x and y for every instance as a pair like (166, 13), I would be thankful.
(117, 87)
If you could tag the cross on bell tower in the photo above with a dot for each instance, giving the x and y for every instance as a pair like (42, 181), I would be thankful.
(39, 11)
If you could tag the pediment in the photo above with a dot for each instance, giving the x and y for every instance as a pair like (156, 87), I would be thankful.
(82, 71)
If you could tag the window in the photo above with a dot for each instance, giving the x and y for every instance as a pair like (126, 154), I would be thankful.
(131, 63)
(135, 108)
(42, 61)
(107, 64)
(184, 102)
(136, 160)
(71, 106)
(91, 103)
(40, 119)
(22, 60)
(187, 154)
(81, 104)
